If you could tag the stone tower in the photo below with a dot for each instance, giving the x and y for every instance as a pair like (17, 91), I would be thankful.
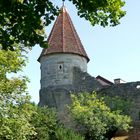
(64, 71)
(65, 52)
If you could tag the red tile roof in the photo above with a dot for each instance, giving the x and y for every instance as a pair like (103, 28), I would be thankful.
(64, 38)
(106, 82)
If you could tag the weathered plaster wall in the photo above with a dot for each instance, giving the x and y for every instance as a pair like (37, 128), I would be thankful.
(84, 82)
(55, 96)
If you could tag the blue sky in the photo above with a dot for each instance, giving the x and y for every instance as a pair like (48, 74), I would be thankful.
(114, 52)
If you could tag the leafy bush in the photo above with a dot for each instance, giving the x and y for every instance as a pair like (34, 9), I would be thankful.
(67, 134)
(119, 103)
(96, 117)
(44, 121)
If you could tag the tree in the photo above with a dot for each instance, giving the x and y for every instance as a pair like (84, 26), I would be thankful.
(15, 109)
(98, 120)
(22, 22)
(19, 118)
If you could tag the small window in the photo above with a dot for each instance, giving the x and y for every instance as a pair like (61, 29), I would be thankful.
(60, 67)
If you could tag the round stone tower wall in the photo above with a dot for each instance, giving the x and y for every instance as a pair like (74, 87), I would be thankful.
(57, 69)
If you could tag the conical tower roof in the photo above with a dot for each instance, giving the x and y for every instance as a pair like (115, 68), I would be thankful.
(64, 38)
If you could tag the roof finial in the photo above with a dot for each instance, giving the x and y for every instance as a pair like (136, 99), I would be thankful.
(63, 2)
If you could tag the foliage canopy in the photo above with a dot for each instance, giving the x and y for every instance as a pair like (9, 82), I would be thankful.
(14, 101)
(99, 121)
(22, 22)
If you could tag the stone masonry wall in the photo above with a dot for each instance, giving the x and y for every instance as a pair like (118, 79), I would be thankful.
(57, 69)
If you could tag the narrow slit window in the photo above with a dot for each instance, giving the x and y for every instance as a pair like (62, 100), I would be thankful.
(60, 67)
